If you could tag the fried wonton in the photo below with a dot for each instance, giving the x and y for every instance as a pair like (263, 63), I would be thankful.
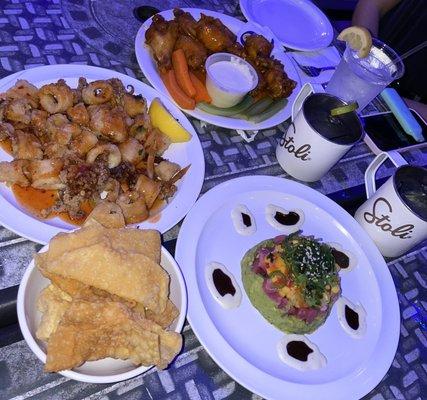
(132, 276)
(106, 214)
(165, 318)
(52, 303)
(144, 241)
(108, 298)
(90, 330)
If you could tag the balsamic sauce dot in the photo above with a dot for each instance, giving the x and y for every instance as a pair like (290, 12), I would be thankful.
(340, 258)
(246, 219)
(223, 283)
(352, 317)
(299, 350)
(288, 219)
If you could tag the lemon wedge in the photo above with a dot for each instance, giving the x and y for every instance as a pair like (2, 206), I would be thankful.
(162, 119)
(358, 38)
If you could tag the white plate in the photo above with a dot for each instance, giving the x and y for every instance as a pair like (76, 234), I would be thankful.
(298, 24)
(107, 370)
(240, 340)
(149, 68)
(14, 217)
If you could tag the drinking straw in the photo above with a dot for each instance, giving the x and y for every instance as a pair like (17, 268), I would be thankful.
(410, 52)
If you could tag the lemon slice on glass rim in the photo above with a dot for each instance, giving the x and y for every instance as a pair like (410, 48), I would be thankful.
(358, 38)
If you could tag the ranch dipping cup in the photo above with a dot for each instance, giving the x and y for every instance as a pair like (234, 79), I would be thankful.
(395, 215)
(315, 140)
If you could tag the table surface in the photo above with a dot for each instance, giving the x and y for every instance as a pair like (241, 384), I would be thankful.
(101, 33)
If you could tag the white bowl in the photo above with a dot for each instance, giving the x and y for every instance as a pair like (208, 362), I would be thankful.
(107, 370)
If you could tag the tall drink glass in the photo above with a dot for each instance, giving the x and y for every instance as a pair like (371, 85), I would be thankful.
(362, 79)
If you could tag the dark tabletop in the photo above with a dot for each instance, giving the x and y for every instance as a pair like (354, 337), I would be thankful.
(101, 33)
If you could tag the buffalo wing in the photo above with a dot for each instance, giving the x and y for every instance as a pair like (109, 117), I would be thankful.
(161, 37)
(194, 51)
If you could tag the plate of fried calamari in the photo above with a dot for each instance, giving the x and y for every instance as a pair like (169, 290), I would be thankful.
(198, 34)
(73, 136)
(103, 303)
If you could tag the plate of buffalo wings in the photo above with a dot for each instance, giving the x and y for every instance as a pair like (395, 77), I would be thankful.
(200, 33)
(73, 137)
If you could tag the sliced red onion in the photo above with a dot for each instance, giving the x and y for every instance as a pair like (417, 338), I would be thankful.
(258, 269)
(259, 266)
(307, 314)
(283, 303)
(263, 252)
(271, 291)
(268, 286)
(279, 239)
(293, 311)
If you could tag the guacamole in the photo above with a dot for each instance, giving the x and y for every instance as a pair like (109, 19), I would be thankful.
(292, 281)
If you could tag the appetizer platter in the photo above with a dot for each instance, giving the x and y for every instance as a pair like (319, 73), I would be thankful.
(74, 135)
(217, 71)
(285, 300)
(103, 303)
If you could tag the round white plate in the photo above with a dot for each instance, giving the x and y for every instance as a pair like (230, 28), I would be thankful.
(241, 341)
(298, 24)
(149, 68)
(17, 219)
(107, 370)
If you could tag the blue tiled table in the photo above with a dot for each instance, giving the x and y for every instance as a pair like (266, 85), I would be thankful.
(101, 33)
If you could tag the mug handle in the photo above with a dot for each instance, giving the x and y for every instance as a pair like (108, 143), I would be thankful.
(305, 91)
(372, 169)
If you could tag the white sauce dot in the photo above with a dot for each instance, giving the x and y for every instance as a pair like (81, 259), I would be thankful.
(315, 360)
(228, 301)
(340, 304)
(270, 212)
(236, 216)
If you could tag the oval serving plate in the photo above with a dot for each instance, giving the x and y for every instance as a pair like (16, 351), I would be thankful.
(240, 340)
(17, 219)
(149, 68)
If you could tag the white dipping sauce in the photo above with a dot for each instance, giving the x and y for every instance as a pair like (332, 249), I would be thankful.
(232, 75)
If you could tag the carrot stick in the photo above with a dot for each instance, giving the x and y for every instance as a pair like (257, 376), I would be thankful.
(180, 67)
(175, 91)
(201, 92)
(201, 75)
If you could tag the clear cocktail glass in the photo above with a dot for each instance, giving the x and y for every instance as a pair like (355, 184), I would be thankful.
(362, 79)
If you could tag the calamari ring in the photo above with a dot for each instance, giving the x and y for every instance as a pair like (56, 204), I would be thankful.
(56, 97)
(97, 92)
(114, 155)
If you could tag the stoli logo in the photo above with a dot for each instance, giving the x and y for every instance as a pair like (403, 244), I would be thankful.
(302, 152)
(383, 207)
